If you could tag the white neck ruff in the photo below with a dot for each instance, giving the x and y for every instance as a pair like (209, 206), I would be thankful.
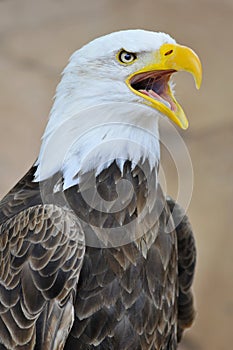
(91, 139)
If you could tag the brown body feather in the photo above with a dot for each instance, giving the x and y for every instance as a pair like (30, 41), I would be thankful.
(58, 292)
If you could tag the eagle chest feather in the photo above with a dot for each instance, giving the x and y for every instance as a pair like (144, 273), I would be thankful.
(126, 295)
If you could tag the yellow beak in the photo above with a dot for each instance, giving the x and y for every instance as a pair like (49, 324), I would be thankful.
(170, 58)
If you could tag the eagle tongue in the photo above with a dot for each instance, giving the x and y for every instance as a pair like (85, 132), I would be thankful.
(154, 95)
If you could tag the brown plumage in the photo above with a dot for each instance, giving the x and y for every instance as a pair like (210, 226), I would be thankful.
(121, 299)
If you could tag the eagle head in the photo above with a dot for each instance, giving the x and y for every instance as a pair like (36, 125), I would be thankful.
(120, 78)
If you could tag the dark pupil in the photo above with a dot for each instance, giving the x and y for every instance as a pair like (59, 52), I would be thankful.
(128, 56)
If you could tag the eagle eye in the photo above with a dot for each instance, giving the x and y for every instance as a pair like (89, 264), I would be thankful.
(126, 57)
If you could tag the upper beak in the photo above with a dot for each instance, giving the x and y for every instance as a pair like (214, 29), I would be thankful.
(181, 58)
(171, 57)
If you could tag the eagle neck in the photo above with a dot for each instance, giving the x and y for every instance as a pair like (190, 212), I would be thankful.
(91, 139)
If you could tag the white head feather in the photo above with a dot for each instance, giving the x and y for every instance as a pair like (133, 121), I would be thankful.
(96, 118)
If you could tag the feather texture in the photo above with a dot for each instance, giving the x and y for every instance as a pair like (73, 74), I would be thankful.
(41, 254)
(56, 293)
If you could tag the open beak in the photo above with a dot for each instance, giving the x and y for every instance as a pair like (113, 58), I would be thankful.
(152, 81)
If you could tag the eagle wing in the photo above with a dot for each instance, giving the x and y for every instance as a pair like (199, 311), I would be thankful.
(41, 254)
(186, 266)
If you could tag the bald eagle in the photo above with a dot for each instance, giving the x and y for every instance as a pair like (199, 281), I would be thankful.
(93, 255)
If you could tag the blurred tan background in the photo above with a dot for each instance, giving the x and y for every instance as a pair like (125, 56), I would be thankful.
(36, 39)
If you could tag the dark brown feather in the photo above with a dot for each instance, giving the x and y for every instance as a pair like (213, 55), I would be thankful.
(29, 241)
(133, 296)
(186, 266)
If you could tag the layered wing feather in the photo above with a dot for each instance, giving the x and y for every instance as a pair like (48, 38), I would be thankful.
(186, 266)
(41, 254)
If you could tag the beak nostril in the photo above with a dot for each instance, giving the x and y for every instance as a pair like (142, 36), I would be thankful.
(168, 53)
